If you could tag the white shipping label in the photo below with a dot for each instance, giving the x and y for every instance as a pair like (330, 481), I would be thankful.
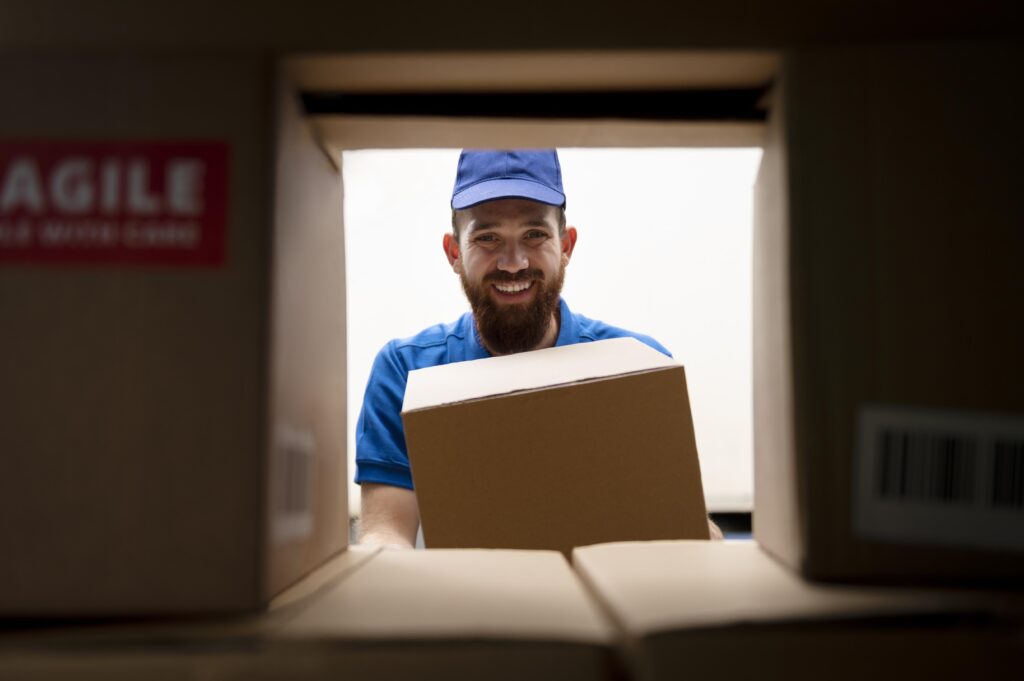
(295, 450)
(939, 477)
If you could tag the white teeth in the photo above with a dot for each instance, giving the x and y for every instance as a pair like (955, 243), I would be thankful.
(513, 288)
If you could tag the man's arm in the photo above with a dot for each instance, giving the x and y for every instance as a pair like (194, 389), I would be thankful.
(715, 531)
(390, 516)
(390, 513)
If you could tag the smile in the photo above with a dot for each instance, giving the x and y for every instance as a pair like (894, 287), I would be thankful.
(513, 287)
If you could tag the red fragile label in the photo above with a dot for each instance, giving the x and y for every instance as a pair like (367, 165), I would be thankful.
(102, 202)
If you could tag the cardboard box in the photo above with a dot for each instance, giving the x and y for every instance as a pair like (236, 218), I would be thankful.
(727, 610)
(388, 615)
(555, 448)
(457, 614)
(218, 647)
(172, 430)
(888, 409)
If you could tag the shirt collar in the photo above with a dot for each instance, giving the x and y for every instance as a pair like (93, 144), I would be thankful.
(568, 331)
(474, 348)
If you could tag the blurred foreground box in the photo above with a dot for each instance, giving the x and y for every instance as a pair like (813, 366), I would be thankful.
(366, 615)
(171, 428)
(638, 610)
(727, 610)
(888, 372)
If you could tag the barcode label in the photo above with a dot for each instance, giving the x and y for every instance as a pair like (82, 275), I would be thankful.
(297, 480)
(925, 466)
(1008, 474)
(294, 474)
(939, 477)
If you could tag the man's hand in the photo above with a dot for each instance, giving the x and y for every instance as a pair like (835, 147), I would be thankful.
(390, 516)
(715, 530)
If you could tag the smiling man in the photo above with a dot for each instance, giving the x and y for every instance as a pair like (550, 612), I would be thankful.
(510, 247)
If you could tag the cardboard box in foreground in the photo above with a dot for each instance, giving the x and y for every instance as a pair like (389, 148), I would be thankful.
(728, 610)
(556, 448)
(387, 615)
(888, 372)
(173, 435)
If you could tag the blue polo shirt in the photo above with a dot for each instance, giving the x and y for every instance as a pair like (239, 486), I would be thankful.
(381, 456)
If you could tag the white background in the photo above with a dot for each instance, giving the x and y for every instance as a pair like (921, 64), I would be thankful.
(664, 249)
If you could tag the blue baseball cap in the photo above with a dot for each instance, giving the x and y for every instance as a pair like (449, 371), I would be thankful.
(488, 175)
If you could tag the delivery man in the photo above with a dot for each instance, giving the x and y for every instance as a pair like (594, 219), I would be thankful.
(510, 246)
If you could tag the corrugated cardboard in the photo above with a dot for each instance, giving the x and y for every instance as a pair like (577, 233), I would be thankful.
(887, 253)
(727, 610)
(555, 448)
(187, 649)
(387, 615)
(459, 614)
(172, 439)
(651, 25)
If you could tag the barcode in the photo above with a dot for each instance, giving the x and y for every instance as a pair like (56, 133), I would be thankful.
(924, 466)
(294, 475)
(1008, 474)
(939, 477)
(298, 476)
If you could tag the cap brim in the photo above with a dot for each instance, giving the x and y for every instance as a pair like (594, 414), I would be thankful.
(492, 190)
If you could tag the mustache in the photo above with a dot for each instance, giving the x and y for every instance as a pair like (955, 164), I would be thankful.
(501, 277)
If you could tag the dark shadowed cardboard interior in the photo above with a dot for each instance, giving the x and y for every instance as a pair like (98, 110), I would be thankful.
(876, 134)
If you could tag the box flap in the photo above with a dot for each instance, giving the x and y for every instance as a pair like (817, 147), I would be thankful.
(450, 383)
(200, 634)
(449, 594)
(655, 587)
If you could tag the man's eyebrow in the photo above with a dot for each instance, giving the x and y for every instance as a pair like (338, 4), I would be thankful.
(533, 222)
(478, 226)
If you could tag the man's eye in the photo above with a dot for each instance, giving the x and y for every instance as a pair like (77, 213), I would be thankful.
(536, 234)
(486, 238)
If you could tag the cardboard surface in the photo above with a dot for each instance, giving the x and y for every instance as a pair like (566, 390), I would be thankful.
(722, 609)
(202, 634)
(306, 512)
(775, 474)
(536, 70)
(658, 586)
(185, 649)
(341, 132)
(364, 615)
(450, 614)
(611, 457)
(464, 381)
(457, 594)
(867, 202)
(155, 420)
(651, 24)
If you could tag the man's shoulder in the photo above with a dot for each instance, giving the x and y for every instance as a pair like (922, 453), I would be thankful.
(595, 330)
(430, 346)
(432, 336)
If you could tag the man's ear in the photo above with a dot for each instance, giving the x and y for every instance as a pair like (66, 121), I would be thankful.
(451, 250)
(568, 242)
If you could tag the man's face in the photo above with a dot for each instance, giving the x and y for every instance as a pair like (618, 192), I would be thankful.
(511, 261)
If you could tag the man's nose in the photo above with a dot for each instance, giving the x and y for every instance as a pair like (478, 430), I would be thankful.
(513, 258)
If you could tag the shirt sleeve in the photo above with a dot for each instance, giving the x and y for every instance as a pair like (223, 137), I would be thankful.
(381, 456)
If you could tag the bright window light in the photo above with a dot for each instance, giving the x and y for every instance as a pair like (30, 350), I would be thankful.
(665, 248)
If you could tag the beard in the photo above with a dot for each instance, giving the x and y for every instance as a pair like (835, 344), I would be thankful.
(516, 327)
